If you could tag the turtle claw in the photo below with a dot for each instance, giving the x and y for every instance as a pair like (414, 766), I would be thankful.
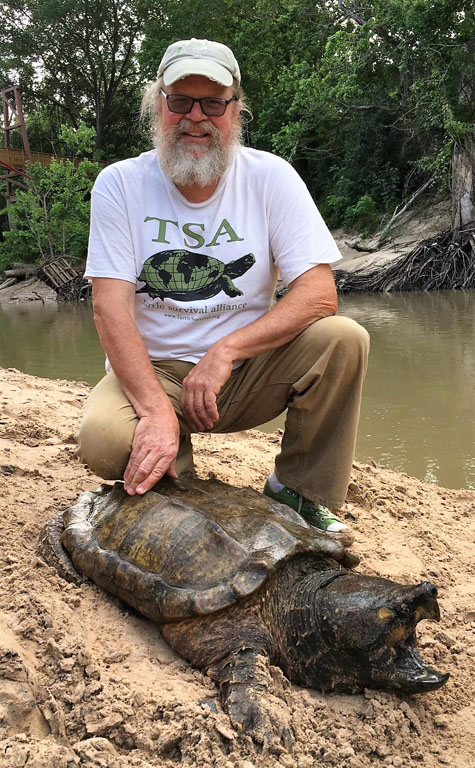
(287, 739)
(245, 685)
(251, 712)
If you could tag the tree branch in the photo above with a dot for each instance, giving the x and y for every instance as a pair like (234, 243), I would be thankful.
(349, 13)
(397, 213)
(364, 107)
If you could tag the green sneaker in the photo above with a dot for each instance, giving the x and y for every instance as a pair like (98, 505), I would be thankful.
(315, 514)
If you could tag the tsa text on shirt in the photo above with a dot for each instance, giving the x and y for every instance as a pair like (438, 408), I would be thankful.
(224, 228)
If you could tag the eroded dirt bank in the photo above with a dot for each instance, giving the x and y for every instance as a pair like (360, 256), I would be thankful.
(85, 682)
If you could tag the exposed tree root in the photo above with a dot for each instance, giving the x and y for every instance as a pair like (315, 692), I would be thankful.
(439, 263)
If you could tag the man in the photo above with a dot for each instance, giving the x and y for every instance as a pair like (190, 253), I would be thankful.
(186, 244)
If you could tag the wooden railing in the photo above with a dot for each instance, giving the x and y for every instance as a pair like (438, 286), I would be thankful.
(16, 158)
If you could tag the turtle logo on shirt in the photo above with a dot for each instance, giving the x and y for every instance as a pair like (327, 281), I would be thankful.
(186, 276)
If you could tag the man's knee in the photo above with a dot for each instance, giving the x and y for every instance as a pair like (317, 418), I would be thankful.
(339, 334)
(104, 444)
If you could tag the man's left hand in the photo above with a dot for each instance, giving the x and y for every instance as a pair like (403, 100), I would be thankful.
(201, 388)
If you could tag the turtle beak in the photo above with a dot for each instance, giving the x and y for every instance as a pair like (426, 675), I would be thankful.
(410, 673)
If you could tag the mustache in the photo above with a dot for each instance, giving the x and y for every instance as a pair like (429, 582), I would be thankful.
(189, 126)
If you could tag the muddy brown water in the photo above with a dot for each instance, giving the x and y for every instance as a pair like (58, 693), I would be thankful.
(418, 409)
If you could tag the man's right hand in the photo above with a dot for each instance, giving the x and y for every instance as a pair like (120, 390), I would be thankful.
(154, 452)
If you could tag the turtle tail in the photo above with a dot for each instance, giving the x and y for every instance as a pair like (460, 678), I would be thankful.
(50, 548)
(240, 266)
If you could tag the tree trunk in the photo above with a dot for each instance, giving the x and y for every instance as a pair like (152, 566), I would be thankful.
(463, 185)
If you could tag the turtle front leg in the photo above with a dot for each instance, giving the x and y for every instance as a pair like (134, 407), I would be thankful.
(229, 287)
(232, 647)
(245, 690)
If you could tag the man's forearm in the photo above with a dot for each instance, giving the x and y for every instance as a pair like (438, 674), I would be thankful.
(310, 298)
(305, 303)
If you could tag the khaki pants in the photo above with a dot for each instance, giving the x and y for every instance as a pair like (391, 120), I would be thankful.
(318, 377)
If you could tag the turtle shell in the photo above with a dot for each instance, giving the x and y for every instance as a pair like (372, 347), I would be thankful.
(180, 271)
(191, 547)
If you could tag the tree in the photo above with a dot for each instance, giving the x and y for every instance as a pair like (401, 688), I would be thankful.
(372, 102)
(415, 66)
(51, 216)
(306, 86)
(276, 43)
(79, 58)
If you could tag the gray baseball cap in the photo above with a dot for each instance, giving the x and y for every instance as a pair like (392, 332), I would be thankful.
(199, 57)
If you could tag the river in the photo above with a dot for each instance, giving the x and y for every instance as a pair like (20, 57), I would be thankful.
(418, 409)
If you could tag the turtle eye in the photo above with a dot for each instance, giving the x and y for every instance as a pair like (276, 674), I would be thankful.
(386, 615)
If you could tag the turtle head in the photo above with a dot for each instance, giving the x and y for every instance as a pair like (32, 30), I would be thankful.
(368, 626)
(240, 266)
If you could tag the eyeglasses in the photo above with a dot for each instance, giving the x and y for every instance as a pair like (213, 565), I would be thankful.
(210, 107)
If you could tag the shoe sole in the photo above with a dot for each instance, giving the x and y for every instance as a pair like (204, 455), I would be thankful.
(343, 537)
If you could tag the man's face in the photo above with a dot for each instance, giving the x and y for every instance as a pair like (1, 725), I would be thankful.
(195, 149)
(198, 87)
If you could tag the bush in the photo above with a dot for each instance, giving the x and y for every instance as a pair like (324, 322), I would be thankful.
(333, 209)
(363, 215)
(51, 217)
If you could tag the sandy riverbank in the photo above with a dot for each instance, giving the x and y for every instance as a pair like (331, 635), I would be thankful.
(84, 682)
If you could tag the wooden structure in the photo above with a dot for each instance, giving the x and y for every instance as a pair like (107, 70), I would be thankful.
(68, 283)
(58, 274)
(13, 161)
(18, 158)
(13, 120)
(13, 117)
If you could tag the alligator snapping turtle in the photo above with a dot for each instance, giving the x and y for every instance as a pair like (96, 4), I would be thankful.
(238, 582)
(186, 276)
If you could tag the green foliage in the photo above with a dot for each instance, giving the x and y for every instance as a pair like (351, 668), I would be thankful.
(51, 217)
(77, 60)
(334, 208)
(363, 215)
(77, 141)
(439, 166)
(363, 110)
(367, 102)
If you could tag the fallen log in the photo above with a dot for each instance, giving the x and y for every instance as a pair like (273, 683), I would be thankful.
(8, 283)
(21, 270)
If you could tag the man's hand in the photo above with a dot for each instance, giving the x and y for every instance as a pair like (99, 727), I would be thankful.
(311, 296)
(202, 386)
(154, 451)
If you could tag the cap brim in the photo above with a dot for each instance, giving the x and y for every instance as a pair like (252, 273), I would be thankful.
(186, 67)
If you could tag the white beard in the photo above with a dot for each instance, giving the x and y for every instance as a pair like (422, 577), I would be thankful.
(188, 165)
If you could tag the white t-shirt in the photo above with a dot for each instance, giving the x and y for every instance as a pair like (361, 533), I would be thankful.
(202, 270)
